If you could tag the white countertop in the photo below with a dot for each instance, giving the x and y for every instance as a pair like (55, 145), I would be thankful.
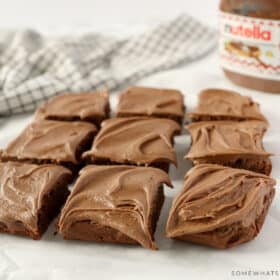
(52, 258)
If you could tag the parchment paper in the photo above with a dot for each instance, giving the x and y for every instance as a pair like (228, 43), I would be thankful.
(53, 258)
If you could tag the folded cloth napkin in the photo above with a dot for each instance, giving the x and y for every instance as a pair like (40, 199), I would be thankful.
(33, 67)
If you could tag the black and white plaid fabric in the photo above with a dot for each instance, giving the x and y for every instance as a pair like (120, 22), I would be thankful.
(34, 68)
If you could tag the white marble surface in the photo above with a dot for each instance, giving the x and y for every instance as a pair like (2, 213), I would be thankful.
(52, 258)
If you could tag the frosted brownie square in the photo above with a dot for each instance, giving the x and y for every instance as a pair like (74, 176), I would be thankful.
(48, 141)
(234, 144)
(117, 204)
(136, 140)
(219, 104)
(91, 106)
(220, 206)
(151, 102)
(31, 196)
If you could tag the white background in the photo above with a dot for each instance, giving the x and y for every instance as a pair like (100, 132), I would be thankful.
(53, 258)
(54, 13)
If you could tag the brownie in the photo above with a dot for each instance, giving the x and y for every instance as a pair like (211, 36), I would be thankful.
(234, 144)
(136, 141)
(151, 102)
(219, 104)
(31, 196)
(48, 141)
(220, 206)
(92, 107)
(117, 204)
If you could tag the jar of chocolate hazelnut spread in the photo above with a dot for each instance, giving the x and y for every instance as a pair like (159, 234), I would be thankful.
(250, 43)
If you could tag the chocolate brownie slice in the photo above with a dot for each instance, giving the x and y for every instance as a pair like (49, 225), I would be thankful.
(137, 141)
(219, 104)
(92, 107)
(31, 196)
(220, 206)
(234, 144)
(48, 141)
(118, 204)
(152, 102)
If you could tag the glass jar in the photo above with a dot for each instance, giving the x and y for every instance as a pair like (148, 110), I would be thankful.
(250, 43)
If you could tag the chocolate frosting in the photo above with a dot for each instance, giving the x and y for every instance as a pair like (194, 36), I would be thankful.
(151, 101)
(49, 140)
(83, 106)
(268, 9)
(226, 138)
(120, 197)
(135, 140)
(226, 104)
(215, 197)
(23, 187)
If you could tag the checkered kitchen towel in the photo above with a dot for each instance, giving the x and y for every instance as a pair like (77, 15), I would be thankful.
(34, 68)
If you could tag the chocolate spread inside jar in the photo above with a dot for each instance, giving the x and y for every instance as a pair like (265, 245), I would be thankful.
(250, 43)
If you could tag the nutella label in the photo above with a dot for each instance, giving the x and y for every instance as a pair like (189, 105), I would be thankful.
(250, 46)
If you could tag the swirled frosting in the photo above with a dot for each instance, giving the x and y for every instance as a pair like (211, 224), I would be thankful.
(22, 190)
(119, 197)
(143, 101)
(225, 104)
(135, 140)
(226, 138)
(92, 106)
(50, 140)
(220, 206)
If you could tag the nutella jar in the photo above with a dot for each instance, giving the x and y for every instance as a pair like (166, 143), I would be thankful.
(250, 43)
